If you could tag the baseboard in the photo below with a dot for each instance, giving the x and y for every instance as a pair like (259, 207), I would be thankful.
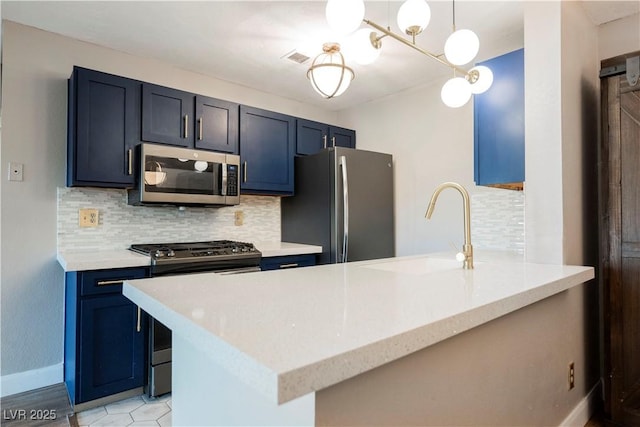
(31, 380)
(584, 409)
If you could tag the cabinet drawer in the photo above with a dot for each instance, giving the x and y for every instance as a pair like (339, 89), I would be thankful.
(283, 262)
(107, 281)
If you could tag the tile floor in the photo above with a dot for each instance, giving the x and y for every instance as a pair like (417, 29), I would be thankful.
(135, 411)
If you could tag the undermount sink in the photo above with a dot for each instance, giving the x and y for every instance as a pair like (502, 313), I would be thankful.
(417, 266)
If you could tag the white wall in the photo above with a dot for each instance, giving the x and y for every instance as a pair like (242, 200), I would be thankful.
(619, 37)
(36, 66)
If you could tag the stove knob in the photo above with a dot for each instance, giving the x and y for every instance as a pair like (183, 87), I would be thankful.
(171, 253)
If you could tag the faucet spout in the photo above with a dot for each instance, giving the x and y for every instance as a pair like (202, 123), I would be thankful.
(467, 248)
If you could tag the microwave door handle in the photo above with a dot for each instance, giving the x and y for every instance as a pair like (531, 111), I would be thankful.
(345, 208)
(223, 190)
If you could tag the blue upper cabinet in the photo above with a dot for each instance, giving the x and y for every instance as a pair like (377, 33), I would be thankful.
(175, 117)
(341, 137)
(499, 123)
(267, 149)
(311, 136)
(167, 115)
(103, 128)
(314, 136)
(216, 124)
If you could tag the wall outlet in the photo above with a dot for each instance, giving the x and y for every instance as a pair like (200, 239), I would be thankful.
(88, 217)
(572, 376)
(239, 218)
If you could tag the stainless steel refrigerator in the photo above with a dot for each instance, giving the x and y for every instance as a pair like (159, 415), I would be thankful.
(343, 202)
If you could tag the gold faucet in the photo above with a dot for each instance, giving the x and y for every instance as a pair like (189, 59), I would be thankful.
(467, 249)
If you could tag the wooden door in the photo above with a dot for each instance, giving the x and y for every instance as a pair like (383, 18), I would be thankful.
(620, 248)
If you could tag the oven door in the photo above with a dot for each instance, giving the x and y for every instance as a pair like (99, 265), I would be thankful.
(184, 176)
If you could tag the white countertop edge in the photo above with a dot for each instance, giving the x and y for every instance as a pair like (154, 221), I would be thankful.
(85, 260)
(289, 385)
(100, 260)
(247, 369)
(336, 369)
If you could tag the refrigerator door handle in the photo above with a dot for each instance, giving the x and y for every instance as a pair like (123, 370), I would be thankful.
(345, 208)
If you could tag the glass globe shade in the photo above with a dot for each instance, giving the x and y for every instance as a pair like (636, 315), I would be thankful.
(461, 47)
(344, 16)
(456, 92)
(359, 47)
(328, 74)
(414, 16)
(485, 79)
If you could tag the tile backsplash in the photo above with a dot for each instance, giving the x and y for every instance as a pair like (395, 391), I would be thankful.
(497, 219)
(120, 224)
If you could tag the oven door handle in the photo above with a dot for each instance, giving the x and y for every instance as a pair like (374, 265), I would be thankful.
(239, 270)
(223, 190)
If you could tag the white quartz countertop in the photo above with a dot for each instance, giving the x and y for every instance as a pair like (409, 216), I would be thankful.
(97, 259)
(288, 333)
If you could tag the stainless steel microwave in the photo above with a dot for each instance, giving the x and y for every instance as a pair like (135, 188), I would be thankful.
(168, 175)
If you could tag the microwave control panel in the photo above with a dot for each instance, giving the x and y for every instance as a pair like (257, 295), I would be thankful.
(232, 180)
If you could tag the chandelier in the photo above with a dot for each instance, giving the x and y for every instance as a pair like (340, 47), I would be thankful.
(330, 76)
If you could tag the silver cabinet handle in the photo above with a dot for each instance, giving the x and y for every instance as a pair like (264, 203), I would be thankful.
(138, 321)
(200, 129)
(324, 140)
(292, 265)
(345, 208)
(109, 282)
(186, 126)
(333, 141)
(245, 172)
(130, 154)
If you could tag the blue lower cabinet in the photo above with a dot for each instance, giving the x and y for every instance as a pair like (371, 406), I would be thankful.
(105, 335)
(291, 261)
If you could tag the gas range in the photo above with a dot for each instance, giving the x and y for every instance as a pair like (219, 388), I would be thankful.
(192, 257)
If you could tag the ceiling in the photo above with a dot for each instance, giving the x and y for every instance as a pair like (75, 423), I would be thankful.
(245, 42)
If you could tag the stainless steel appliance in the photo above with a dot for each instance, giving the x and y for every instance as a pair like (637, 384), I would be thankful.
(218, 256)
(343, 202)
(169, 175)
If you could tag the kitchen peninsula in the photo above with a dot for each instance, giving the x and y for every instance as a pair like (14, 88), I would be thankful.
(354, 343)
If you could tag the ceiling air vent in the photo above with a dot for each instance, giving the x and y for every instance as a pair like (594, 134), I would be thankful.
(296, 56)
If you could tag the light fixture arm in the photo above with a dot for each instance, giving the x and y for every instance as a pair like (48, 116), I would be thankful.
(401, 39)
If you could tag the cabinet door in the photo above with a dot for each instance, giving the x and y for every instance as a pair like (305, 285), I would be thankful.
(311, 136)
(499, 123)
(267, 149)
(104, 126)
(216, 125)
(111, 350)
(341, 137)
(167, 115)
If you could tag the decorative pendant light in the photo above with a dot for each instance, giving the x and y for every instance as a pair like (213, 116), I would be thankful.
(344, 16)
(328, 73)
(462, 45)
(481, 79)
(330, 76)
(413, 17)
(456, 92)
